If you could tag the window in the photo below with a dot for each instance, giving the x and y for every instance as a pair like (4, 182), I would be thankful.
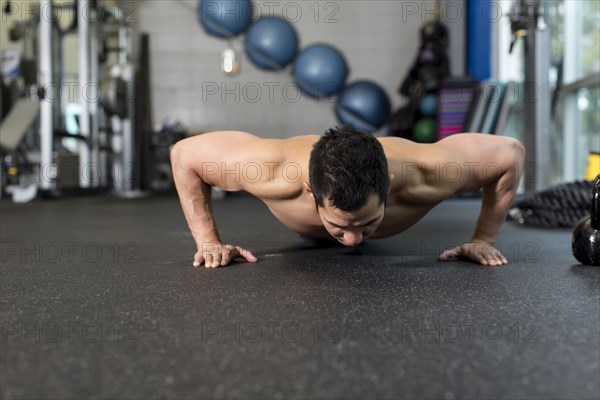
(574, 77)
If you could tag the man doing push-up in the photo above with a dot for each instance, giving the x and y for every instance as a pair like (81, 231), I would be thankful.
(347, 185)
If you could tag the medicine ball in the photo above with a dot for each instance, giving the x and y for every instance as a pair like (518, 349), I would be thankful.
(364, 105)
(224, 18)
(271, 43)
(320, 70)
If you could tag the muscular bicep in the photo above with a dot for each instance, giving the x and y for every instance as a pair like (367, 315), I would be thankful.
(231, 161)
(470, 161)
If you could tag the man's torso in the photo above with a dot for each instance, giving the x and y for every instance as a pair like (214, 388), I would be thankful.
(415, 188)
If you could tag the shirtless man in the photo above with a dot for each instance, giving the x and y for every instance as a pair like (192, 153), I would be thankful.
(346, 185)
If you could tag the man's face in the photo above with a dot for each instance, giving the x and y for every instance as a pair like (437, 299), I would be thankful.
(351, 228)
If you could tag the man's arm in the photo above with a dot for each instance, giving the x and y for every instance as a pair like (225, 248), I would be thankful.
(214, 159)
(498, 194)
(194, 193)
(495, 164)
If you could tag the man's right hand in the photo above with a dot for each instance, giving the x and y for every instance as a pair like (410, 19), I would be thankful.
(216, 254)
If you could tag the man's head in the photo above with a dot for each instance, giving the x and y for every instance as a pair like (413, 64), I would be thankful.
(348, 178)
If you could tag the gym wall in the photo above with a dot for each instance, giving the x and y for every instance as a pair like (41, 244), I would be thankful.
(379, 39)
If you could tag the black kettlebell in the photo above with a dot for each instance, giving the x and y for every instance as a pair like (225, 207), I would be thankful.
(586, 236)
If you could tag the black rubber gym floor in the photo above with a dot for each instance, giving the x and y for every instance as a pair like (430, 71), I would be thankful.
(99, 300)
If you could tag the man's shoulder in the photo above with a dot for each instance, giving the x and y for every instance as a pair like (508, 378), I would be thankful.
(239, 146)
(400, 150)
(260, 138)
(296, 147)
(310, 139)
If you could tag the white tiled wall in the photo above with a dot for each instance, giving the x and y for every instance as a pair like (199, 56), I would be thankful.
(379, 39)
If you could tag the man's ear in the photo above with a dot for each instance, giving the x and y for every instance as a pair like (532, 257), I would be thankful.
(390, 182)
(308, 189)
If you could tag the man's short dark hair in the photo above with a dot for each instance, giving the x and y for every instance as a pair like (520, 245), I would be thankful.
(347, 166)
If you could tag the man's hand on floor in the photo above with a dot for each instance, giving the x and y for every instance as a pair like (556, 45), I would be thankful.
(216, 254)
(480, 252)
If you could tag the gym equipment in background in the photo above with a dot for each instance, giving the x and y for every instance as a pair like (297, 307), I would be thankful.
(428, 106)
(527, 22)
(271, 43)
(402, 121)
(474, 118)
(585, 242)
(36, 118)
(422, 82)
(98, 148)
(161, 174)
(425, 131)
(489, 109)
(119, 105)
(20, 118)
(496, 100)
(455, 99)
(224, 18)
(320, 70)
(230, 62)
(593, 165)
(431, 65)
(364, 105)
(560, 206)
(143, 128)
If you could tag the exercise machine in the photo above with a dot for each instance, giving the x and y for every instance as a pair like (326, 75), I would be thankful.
(527, 23)
(99, 146)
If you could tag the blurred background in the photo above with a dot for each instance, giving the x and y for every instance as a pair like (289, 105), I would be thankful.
(94, 93)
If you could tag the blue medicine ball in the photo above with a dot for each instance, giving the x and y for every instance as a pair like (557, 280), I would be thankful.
(271, 43)
(224, 18)
(364, 105)
(320, 70)
(428, 105)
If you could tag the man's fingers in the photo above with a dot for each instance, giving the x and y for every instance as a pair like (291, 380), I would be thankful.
(246, 254)
(237, 251)
(198, 259)
(216, 260)
(448, 254)
(482, 254)
(496, 259)
(208, 258)
(479, 257)
(221, 256)
(227, 255)
(500, 260)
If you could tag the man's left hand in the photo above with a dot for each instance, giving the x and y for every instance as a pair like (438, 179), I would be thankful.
(481, 252)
